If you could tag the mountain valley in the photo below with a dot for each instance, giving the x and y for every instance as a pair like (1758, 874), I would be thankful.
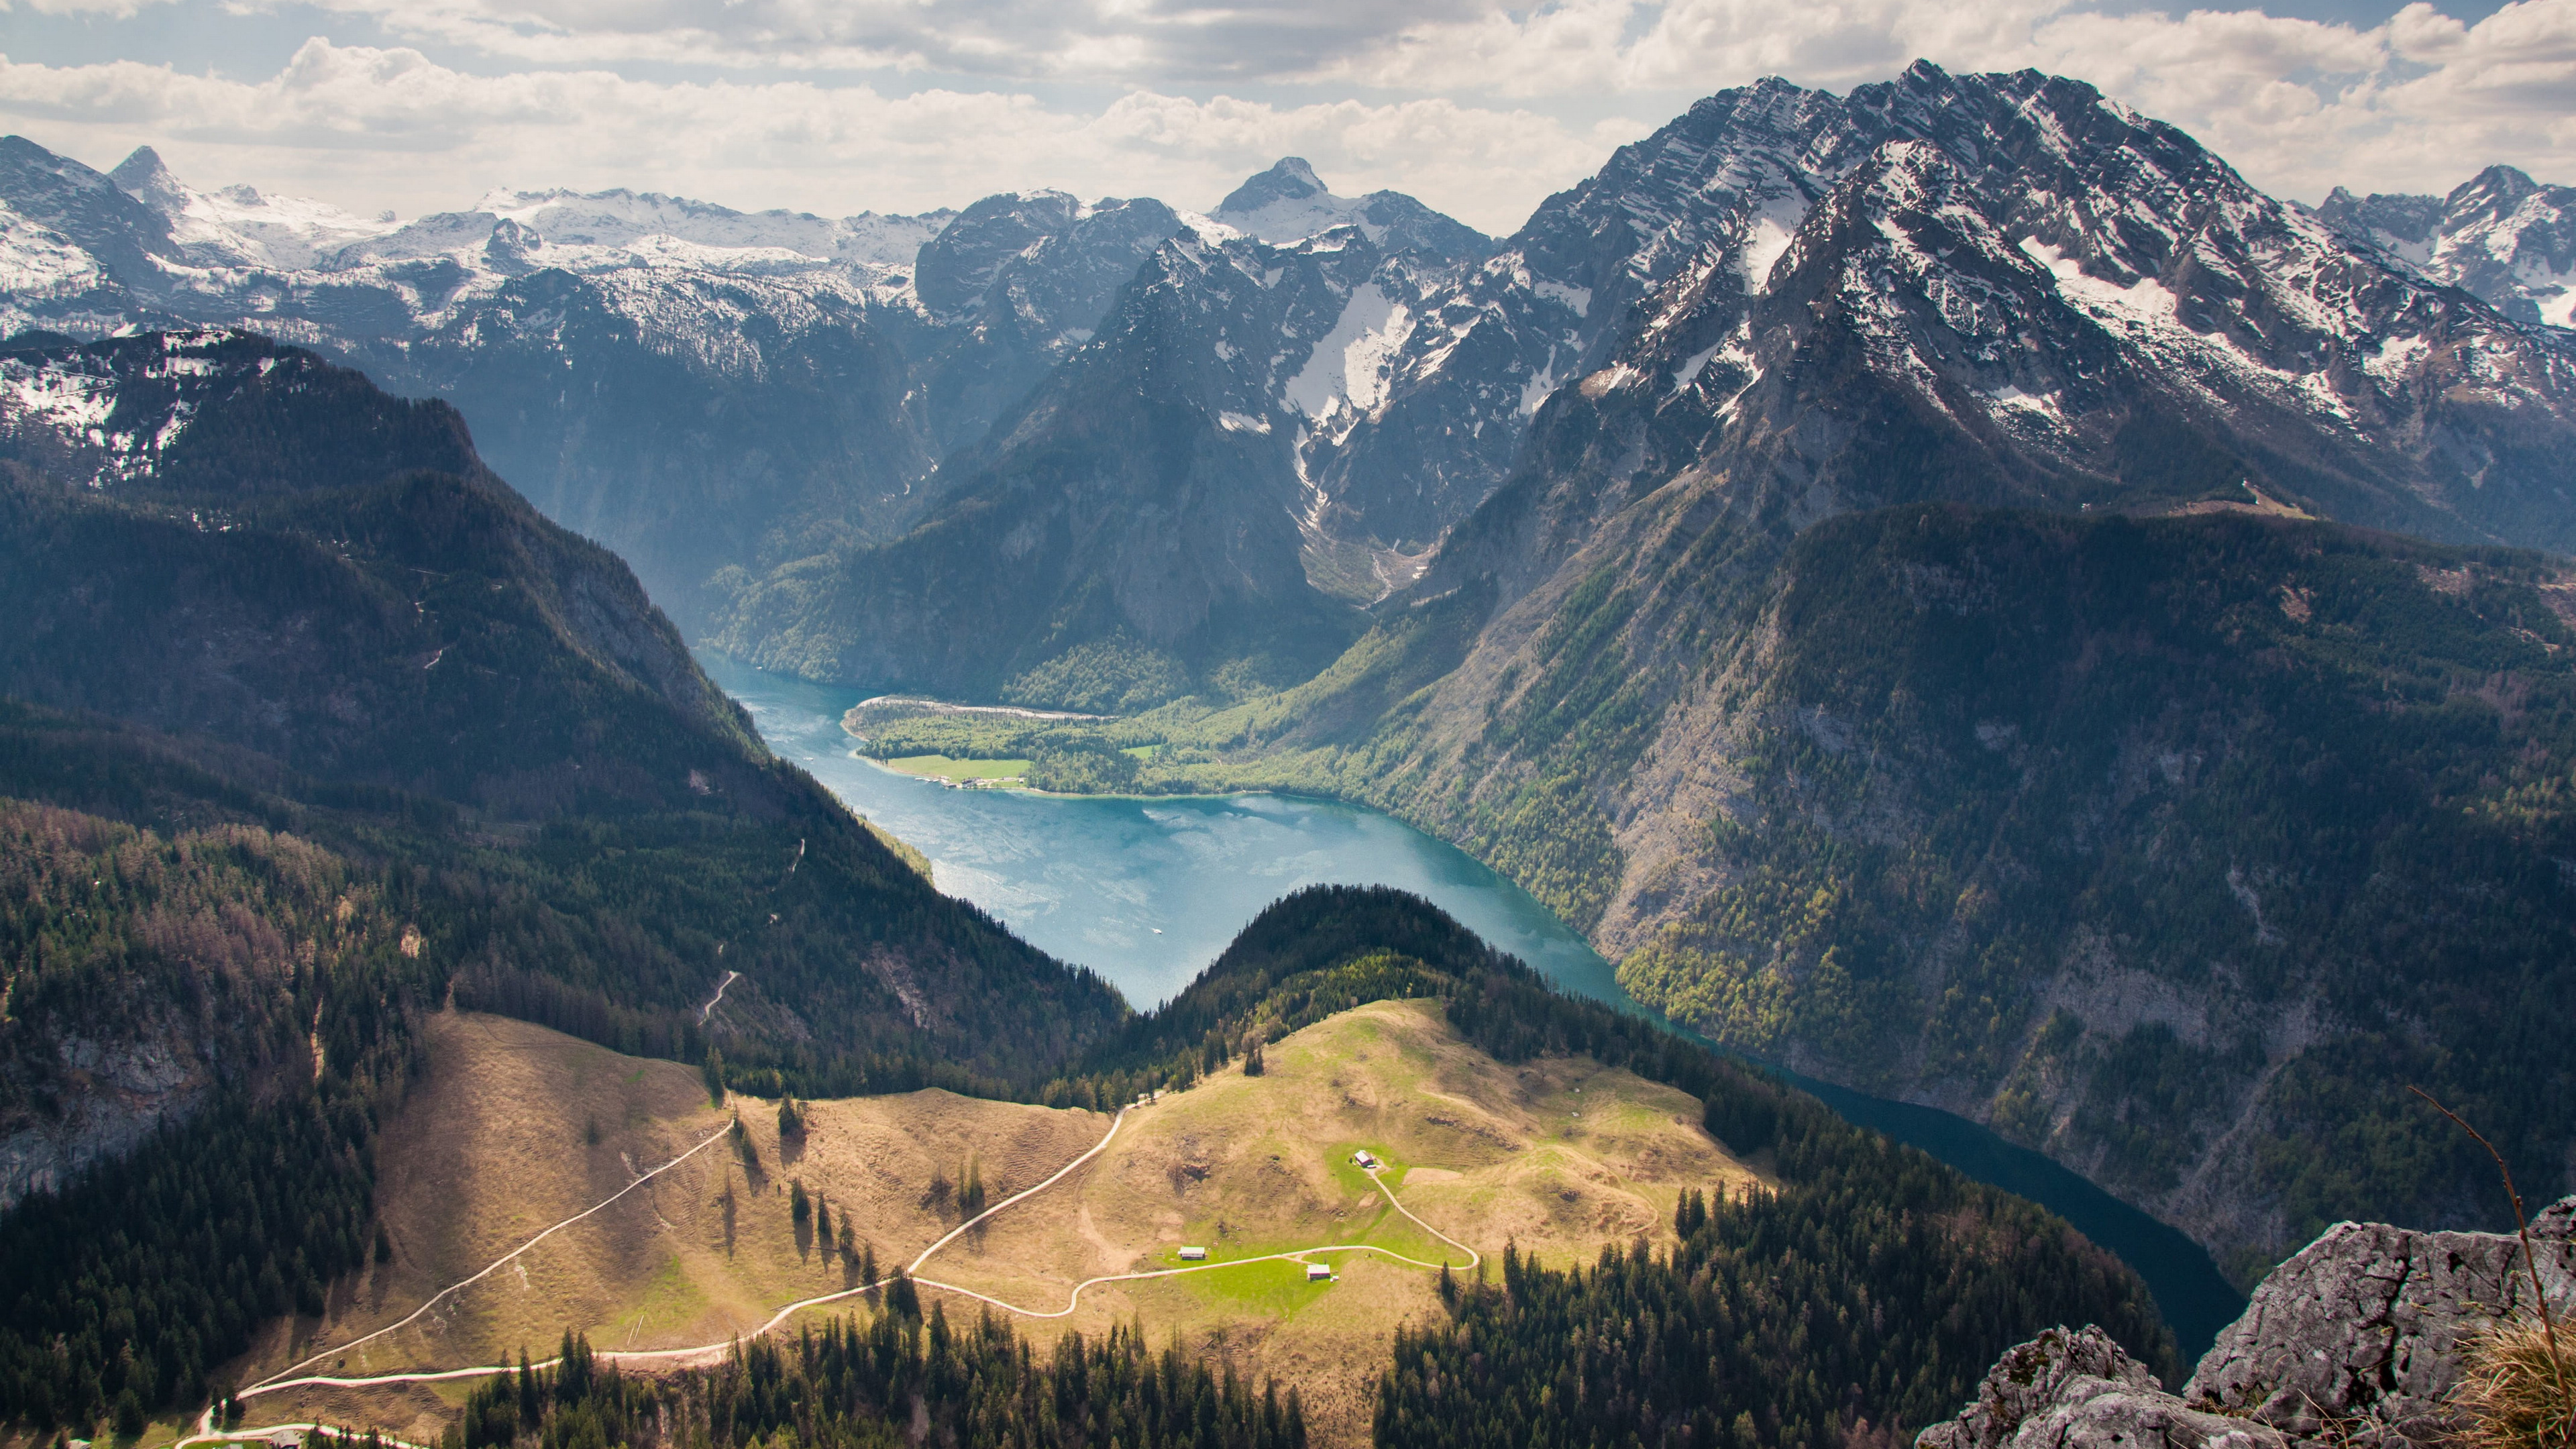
(1601, 686)
(1948, 587)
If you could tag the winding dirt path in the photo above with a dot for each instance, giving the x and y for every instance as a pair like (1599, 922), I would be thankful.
(283, 1380)
(730, 978)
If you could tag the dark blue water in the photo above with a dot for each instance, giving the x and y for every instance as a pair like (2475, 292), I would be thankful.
(2197, 1302)
(1148, 892)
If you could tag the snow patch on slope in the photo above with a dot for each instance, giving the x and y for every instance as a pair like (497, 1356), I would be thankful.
(2146, 301)
(73, 403)
(39, 263)
(1767, 239)
(240, 224)
(1350, 364)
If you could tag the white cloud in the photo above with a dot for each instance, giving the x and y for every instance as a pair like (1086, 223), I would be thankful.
(373, 127)
(1476, 106)
(2416, 103)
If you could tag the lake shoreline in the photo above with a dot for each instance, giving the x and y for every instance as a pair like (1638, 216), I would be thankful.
(1147, 891)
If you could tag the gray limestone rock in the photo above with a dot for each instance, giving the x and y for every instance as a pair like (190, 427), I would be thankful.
(2354, 1343)
(2364, 1326)
(2071, 1390)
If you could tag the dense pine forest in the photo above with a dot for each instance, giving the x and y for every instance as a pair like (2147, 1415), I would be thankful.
(1873, 1302)
(887, 1379)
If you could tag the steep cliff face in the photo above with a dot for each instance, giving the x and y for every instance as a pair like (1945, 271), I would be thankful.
(1137, 518)
(150, 973)
(2360, 1340)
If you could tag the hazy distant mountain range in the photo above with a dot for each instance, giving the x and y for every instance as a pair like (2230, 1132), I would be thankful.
(705, 389)
(695, 386)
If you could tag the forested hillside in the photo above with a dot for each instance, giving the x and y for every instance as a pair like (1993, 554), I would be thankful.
(1846, 1304)
(1858, 1293)
(2180, 847)
(315, 749)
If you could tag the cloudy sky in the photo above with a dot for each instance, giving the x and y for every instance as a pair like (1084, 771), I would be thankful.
(838, 106)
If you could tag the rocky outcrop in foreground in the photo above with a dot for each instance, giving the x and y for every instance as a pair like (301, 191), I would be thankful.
(2355, 1343)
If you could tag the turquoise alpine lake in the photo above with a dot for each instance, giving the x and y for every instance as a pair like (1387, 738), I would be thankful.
(1148, 891)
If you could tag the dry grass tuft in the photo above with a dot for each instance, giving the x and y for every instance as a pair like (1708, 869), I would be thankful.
(2512, 1394)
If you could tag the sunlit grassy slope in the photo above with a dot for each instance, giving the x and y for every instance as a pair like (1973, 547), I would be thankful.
(1557, 1155)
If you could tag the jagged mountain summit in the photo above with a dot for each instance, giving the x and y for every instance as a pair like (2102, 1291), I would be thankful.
(2021, 292)
(2123, 230)
(2502, 235)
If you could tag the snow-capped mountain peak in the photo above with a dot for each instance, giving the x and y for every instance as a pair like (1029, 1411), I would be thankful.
(143, 177)
(1288, 179)
(626, 219)
(1289, 203)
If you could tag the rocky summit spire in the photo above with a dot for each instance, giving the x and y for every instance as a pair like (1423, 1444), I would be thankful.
(143, 177)
(1288, 179)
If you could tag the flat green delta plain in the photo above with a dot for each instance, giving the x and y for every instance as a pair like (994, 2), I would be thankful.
(943, 767)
